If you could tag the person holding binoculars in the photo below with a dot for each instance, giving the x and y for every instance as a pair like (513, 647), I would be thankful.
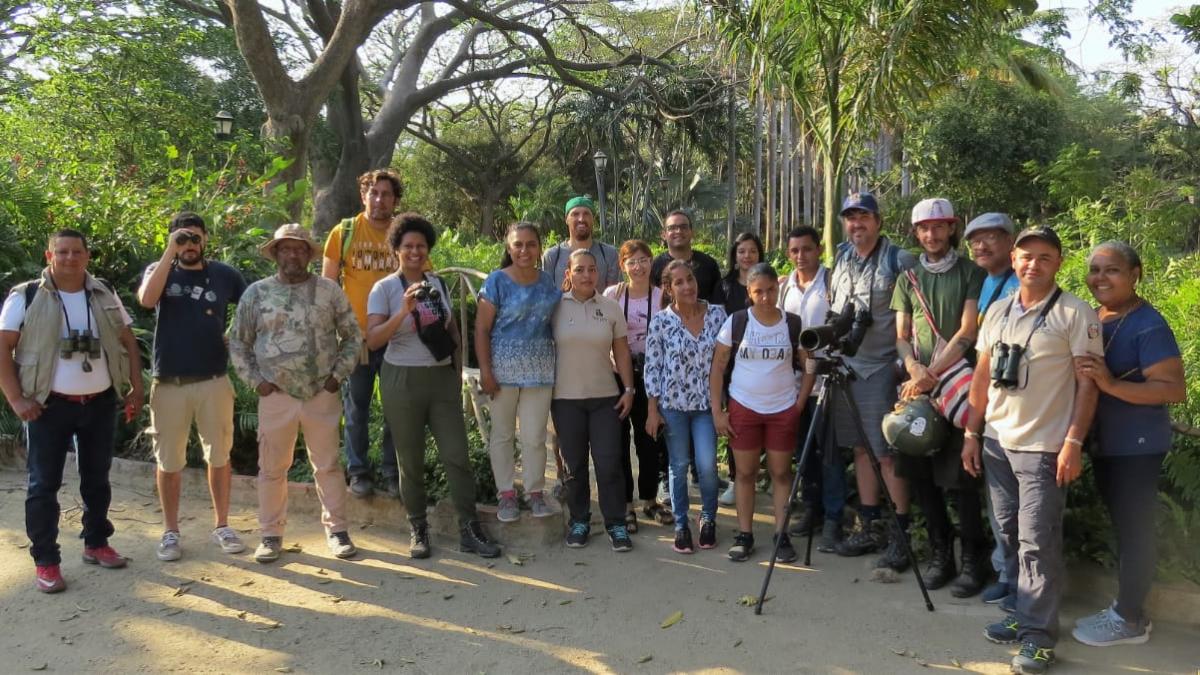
(1038, 410)
(191, 297)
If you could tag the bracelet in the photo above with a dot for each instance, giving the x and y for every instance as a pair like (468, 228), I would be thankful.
(630, 390)
(1074, 441)
(973, 434)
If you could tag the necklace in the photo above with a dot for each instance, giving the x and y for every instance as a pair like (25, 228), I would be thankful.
(1121, 321)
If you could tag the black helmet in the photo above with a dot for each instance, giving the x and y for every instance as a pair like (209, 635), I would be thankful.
(916, 428)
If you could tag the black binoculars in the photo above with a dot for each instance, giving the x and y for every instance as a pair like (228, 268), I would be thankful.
(1006, 365)
(426, 291)
(82, 342)
(184, 237)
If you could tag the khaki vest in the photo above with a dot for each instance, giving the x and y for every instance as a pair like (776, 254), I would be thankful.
(37, 353)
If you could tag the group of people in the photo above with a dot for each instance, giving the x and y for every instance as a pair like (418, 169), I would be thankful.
(590, 349)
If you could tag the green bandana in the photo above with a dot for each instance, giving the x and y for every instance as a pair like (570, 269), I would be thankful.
(581, 200)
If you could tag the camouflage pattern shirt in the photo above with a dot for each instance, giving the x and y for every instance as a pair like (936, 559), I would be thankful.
(294, 335)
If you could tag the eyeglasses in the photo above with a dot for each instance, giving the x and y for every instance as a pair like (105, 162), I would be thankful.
(677, 228)
(980, 238)
(637, 262)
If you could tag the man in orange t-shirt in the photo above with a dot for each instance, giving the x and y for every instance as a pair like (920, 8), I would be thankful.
(360, 262)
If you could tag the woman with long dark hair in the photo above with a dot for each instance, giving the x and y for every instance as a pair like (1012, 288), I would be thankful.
(745, 252)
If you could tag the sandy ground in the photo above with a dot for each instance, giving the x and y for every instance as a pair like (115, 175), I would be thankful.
(560, 610)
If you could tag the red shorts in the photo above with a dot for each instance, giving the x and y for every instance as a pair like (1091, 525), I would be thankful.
(756, 431)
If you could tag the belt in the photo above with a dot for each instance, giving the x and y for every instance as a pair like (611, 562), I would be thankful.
(79, 398)
(185, 379)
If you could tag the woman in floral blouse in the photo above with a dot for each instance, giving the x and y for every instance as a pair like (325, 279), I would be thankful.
(679, 346)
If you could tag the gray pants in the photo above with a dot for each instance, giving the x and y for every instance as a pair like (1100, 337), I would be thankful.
(1028, 506)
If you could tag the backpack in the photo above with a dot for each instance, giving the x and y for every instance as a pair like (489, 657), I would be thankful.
(347, 239)
(739, 320)
(30, 289)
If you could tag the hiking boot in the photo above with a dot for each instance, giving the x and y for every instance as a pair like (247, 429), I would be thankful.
(418, 540)
(507, 511)
(726, 498)
(577, 537)
(895, 556)
(659, 514)
(787, 553)
(831, 536)
(104, 556)
(1032, 659)
(268, 549)
(1107, 628)
(683, 540)
(360, 487)
(631, 522)
(743, 546)
(811, 516)
(939, 571)
(227, 538)
(995, 593)
(472, 539)
(972, 575)
(50, 580)
(867, 538)
(340, 544)
(618, 536)
(168, 547)
(708, 534)
(391, 487)
(1003, 632)
(538, 506)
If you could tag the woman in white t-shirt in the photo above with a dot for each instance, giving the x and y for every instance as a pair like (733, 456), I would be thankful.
(764, 403)
(639, 302)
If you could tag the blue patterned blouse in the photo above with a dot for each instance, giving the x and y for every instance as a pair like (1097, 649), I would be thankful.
(677, 362)
(522, 341)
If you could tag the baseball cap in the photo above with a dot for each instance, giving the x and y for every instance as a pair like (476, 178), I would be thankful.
(933, 209)
(861, 201)
(1040, 232)
(989, 221)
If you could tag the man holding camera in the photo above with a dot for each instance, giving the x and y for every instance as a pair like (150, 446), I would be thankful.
(66, 354)
(864, 276)
(1038, 411)
(294, 338)
(191, 296)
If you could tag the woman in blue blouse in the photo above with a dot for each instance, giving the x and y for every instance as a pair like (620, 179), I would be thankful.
(1140, 374)
(679, 349)
(514, 346)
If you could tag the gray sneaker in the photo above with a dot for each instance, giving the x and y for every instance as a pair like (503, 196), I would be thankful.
(168, 547)
(538, 506)
(228, 540)
(831, 536)
(508, 511)
(268, 549)
(1107, 628)
(726, 498)
(340, 544)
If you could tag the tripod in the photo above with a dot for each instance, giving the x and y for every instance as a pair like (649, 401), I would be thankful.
(837, 381)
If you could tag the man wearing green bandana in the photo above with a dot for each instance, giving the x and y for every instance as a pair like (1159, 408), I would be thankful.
(581, 217)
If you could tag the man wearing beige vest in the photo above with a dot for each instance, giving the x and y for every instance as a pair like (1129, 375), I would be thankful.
(66, 355)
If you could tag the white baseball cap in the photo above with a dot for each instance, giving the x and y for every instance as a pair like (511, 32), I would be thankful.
(989, 221)
(933, 209)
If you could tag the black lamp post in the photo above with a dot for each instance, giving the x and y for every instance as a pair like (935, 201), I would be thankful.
(223, 124)
(600, 160)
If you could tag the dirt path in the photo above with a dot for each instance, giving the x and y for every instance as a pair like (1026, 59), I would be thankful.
(561, 610)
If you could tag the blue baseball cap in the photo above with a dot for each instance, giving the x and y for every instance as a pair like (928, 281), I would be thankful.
(860, 201)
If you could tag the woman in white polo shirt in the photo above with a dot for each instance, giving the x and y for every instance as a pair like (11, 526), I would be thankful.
(589, 337)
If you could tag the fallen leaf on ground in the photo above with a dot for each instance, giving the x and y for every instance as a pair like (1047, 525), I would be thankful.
(646, 658)
(564, 602)
(322, 571)
(180, 591)
(737, 642)
(324, 581)
(42, 666)
(336, 598)
(186, 582)
(515, 559)
(82, 609)
(672, 620)
(506, 601)
(899, 652)
(447, 596)
(174, 612)
(283, 669)
(241, 615)
(751, 601)
(922, 663)
(293, 548)
(248, 582)
(270, 626)
(70, 616)
(580, 563)
(25, 544)
(956, 662)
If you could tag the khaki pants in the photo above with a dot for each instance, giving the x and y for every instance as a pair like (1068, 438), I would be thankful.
(527, 408)
(279, 418)
(172, 409)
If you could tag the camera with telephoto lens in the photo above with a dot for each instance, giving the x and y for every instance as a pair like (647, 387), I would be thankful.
(183, 237)
(841, 333)
(427, 291)
(1006, 365)
(82, 342)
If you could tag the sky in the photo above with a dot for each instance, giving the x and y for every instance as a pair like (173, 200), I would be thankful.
(1088, 45)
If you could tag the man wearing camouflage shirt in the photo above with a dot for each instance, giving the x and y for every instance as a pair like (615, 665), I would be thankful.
(295, 338)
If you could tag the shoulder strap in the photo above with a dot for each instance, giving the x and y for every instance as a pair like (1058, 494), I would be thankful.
(347, 239)
(1000, 287)
(794, 325)
(31, 289)
(557, 250)
(828, 287)
(893, 256)
(738, 321)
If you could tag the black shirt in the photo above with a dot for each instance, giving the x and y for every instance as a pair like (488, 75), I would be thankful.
(708, 274)
(189, 334)
(734, 295)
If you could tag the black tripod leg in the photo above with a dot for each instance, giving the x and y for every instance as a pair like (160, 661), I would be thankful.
(805, 453)
(887, 495)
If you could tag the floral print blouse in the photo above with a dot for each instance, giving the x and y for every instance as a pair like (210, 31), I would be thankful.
(677, 362)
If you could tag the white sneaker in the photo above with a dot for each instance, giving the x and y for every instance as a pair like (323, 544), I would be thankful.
(726, 498)
(168, 547)
(228, 539)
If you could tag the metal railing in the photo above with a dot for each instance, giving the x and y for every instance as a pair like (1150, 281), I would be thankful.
(460, 284)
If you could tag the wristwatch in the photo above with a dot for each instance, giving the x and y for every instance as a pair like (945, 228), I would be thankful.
(973, 434)
(630, 390)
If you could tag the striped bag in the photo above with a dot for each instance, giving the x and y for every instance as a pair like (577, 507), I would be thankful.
(950, 394)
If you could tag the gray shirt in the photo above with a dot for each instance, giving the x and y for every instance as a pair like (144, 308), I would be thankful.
(405, 347)
(608, 267)
(869, 282)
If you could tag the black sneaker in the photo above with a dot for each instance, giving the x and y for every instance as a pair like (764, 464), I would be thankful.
(418, 541)
(971, 576)
(743, 546)
(1032, 659)
(618, 536)
(708, 534)
(895, 556)
(787, 553)
(1003, 632)
(360, 487)
(940, 569)
(472, 539)
(577, 537)
(831, 536)
(867, 538)
(811, 517)
(683, 540)
(391, 487)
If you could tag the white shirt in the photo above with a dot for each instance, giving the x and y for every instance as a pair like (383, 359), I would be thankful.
(69, 376)
(811, 305)
(762, 379)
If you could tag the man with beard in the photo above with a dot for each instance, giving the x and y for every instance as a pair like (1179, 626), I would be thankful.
(581, 218)
(294, 339)
(191, 296)
(677, 234)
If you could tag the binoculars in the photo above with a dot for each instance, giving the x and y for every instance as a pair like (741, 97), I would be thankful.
(426, 291)
(184, 237)
(1006, 365)
(82, 342)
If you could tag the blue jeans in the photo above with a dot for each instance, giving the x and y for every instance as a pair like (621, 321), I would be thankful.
(824, 477)
(687, 429)
(356, 404)
(92, 425)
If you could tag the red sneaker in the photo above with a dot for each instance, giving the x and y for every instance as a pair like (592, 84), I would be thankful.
(49, 579)
(104, 556)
